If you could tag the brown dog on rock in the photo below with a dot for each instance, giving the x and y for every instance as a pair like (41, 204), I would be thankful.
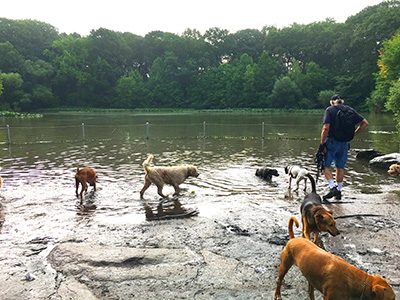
(314, 217)
(335, 278)
(85, 176)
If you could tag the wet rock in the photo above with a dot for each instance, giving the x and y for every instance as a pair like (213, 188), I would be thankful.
(368, 154)
(29, 277)
(41, 240)
(121, 263)
(72, 289)
(384, 161)
(234, 229)
(126, 273)
(277, 240)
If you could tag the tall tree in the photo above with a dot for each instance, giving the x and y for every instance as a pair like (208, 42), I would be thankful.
(29, 37)
(388, 77)
(366, 31)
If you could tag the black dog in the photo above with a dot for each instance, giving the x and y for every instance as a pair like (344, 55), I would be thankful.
(266, 173)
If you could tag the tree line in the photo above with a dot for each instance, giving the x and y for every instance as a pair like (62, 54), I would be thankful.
(299, 66)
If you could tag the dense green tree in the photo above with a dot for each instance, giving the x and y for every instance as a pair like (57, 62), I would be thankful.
(266, 71)
(221, 42)
(393, 102)
(388, 86)
(10, 59)
(363, 36)
(290, 67)
(248, 41)
(29, 37)
(387, 76)
(69, 56)
(13, 96)
(40, 97)
(131, 92)
(285, 94)
(163, 82)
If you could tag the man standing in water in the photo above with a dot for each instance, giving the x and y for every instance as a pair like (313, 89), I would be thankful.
(340, 124)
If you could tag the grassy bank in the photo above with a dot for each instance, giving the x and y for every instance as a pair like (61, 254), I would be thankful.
(178, 110)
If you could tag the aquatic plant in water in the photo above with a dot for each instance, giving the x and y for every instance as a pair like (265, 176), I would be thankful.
(13, 114)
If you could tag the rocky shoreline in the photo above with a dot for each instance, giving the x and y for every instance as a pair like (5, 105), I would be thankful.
(232, 254)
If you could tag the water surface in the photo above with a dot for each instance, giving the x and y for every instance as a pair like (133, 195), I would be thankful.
(39, 164)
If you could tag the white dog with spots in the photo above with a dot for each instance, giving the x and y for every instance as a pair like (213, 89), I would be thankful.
(298, 173)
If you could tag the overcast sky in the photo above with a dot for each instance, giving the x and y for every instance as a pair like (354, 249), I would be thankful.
(143, 16)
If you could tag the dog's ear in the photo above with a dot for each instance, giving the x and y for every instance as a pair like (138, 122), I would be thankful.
(319, 216)
(378, 292)
(286, 169)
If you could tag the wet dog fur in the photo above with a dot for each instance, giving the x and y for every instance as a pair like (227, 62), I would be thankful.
(335, 278)
(266, 173)
(298, 173)
(314, 217)
(394, 169)
(85, 176)
(160, 176)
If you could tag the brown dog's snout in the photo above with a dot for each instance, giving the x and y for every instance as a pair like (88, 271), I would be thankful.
(334, 232)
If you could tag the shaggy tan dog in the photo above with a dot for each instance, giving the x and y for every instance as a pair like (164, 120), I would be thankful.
(335, 278)
(394, 170)
(84, 176)
(161, 176)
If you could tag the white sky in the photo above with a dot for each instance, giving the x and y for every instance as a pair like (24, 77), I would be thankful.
(143, 16)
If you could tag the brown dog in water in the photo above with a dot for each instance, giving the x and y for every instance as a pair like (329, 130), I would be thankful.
(84, 176)
(160, 176)
(314, 217)
(335, 278)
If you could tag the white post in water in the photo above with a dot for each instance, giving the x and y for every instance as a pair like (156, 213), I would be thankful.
(83, 131)
(147, 130)
(204, 129)
(262, 130)
(8, 134)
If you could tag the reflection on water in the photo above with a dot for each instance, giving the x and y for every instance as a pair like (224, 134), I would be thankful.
(168, 210)
(39, 191)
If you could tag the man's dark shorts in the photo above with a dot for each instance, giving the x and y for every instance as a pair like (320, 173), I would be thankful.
(336, 153)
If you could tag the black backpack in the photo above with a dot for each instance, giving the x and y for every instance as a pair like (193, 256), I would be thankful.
(344, 124)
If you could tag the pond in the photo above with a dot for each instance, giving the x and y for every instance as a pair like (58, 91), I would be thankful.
(39, 164)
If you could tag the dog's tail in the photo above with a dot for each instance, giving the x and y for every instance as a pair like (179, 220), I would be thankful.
(313, 185)
(147, 162)
(292, 220)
